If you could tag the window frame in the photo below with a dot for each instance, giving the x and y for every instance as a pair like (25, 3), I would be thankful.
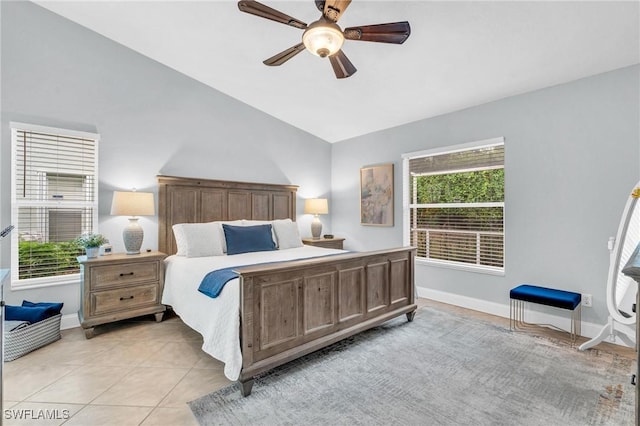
(56, 280)
(406, 206)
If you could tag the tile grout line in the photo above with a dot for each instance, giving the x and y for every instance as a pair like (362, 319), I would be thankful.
(167, 394)
(108, 388)
(77, 367)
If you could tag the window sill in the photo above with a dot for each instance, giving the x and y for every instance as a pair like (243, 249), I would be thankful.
(461, 267)
(45, 282)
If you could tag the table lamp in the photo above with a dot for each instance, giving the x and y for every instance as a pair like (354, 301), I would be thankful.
(316, 206)
(132, 204)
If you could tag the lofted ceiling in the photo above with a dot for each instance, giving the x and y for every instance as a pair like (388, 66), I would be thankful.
(459, 54)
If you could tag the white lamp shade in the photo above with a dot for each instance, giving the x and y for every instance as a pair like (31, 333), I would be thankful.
(316, 206)
(132, 204)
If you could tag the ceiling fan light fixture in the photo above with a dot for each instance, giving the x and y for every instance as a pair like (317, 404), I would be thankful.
(323, 38)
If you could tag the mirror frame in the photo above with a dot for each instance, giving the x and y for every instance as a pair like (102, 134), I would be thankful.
(615, 267)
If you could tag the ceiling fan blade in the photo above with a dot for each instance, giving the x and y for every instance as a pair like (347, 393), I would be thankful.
(259, 9)
(284, 56)
(396, 32)
(342, 66)
(333, 9)
(320, 5)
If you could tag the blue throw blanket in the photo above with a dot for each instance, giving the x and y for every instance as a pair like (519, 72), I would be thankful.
(213, 283)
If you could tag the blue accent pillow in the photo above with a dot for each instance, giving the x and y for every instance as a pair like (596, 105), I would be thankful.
(26, 313)
(245, 239)
(53, 308)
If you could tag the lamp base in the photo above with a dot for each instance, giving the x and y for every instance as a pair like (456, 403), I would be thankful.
(316, 228)
(133, 235)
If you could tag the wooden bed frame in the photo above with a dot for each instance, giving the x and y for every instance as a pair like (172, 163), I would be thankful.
(290, 309)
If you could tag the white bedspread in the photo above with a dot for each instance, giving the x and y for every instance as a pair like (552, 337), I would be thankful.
(218, 320)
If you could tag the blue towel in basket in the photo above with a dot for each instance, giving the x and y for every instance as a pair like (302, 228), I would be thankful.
(53, 308)
(26, 313)
(32, 312)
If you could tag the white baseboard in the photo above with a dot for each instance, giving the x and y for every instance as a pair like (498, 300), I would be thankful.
(69, 321)
(588, 329)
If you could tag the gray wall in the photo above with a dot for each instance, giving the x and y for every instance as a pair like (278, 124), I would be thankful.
(572, 153)
(572, 157)
(152, 120)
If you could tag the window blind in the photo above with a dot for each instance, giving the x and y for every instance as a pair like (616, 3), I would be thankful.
(456, 205)
(54, 200)
(485, 157)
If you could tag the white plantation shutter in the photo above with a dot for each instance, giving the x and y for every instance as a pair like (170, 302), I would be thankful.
(54, 200)
(455, 204)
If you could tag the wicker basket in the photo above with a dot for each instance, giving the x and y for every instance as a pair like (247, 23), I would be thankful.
(27, 339)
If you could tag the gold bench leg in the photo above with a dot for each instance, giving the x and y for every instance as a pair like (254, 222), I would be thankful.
(517, 320)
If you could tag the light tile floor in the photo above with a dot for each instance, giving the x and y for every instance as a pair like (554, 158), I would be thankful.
(135, 372)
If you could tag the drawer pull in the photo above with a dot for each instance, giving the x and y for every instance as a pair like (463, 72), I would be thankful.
(124, 275)
(126, 298)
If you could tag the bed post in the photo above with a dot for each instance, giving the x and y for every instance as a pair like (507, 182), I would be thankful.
(411, 279)
(246, 333)
(246, 386)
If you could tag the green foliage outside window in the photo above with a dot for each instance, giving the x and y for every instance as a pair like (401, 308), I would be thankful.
(469, 187)
(37, 259)
(483, 186)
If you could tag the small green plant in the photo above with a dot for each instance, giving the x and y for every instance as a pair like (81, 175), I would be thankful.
(90, 240)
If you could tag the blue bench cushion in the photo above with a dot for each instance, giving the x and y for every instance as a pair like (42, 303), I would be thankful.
(546, 296)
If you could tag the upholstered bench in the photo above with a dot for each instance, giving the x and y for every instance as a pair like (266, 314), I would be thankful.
(545, 296)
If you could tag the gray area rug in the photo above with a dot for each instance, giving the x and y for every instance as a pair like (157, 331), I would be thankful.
(440, 369)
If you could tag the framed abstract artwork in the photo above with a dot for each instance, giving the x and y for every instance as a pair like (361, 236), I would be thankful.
(376, 195)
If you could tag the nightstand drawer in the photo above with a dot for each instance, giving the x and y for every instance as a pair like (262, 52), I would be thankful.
(104, 302)
(128, 273)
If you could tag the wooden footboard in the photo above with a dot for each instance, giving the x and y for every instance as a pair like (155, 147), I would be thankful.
(290, 309)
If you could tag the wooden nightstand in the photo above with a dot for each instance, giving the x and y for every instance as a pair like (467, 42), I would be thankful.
(335, 243)
(120, 286)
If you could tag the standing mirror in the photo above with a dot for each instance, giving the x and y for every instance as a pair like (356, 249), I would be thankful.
(621, 289)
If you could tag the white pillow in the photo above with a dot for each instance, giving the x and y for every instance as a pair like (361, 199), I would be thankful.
(181, 242)
(287, 234)
(251, 222)
(198, 239)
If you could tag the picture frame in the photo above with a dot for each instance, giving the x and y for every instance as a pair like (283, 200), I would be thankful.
(376, 195)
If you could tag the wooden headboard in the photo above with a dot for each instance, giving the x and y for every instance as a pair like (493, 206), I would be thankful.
(189, 200)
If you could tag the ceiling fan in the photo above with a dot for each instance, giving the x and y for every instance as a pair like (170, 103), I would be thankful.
(324, 37)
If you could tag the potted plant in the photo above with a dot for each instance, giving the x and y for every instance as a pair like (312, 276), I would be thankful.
(91, 243)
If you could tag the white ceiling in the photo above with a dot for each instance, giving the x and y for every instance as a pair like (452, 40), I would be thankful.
(459, 54)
